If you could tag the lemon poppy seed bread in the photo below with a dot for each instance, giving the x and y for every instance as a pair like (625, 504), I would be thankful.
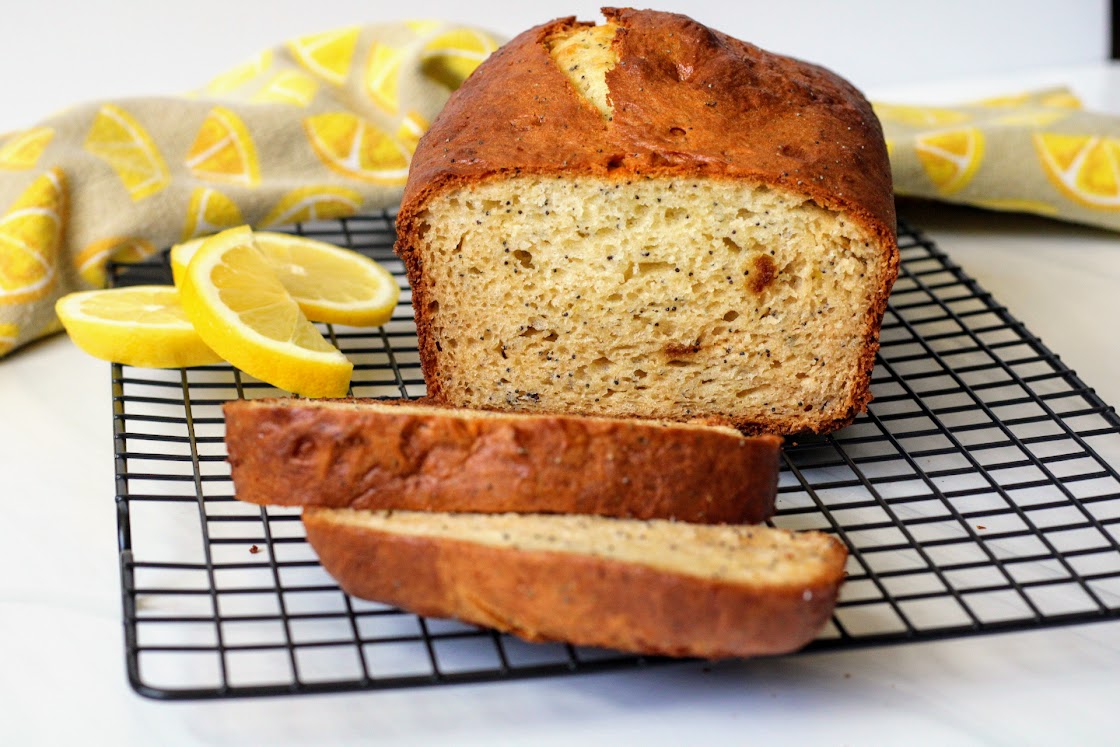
(651, 587)
(378, 454)
(650, 218)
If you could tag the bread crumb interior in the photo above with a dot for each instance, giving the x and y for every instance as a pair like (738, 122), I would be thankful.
(585, 55)
(753, 554)
(653, 297)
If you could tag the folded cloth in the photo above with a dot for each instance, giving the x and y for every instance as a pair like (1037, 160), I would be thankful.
(1035, 152)
(320, 127)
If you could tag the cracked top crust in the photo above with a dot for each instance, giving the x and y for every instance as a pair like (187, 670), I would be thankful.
(686, 100)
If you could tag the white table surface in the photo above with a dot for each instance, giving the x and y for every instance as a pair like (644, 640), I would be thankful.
(62, 678)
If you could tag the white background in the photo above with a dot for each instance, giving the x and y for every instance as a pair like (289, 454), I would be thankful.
(61, 662)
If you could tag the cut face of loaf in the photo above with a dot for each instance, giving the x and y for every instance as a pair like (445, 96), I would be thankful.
(653, 587)
(649, 218)
(404, 455)
(668, 298)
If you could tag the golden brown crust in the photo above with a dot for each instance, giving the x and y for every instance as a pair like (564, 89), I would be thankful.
(579, 599)
(299, 453)
(688, 102)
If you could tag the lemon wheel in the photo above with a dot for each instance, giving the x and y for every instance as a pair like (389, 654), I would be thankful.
(242, 311)
(330, 284)
(143, 326)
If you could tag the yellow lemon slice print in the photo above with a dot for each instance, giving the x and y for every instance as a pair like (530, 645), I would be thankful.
(31, 234)
(127, 147)
(918, 116)
(412, 128)
(327, 54)
(92, 260)
(950, 158)
(210, 211)
(1085, 168)
(224, 151)
(356, 148)
(23, 150)
(451, 57)
(313, 203)
(382, 75)
(289, 87)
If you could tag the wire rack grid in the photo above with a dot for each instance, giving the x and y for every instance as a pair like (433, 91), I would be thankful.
(978, 494)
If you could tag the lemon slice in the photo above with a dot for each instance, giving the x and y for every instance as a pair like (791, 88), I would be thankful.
(143, 326)
(240, 308)
(330, 284)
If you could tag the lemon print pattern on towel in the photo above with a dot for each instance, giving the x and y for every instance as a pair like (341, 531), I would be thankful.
(412, 128)
(210, 211)
(354, 147)
(93, 259)
(950, 158)
(383, 76)
(289, 87)
(127, 147)
(31, 233)
(313, 203)
(224, 150)
(327, 55)
(22, 150)
(1085, 168)
(919, 116)
(452, 56)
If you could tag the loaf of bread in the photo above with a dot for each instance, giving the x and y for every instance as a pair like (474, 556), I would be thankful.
(373, 454)
(651, 587)
(650, 218)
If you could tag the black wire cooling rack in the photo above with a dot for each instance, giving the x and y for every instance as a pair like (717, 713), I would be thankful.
(978, 494)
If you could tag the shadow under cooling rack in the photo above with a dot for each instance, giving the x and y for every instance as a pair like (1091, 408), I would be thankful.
(978, 494)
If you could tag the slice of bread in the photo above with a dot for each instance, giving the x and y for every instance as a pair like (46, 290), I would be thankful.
(652, 587)
(650, 218)
(374, 454)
